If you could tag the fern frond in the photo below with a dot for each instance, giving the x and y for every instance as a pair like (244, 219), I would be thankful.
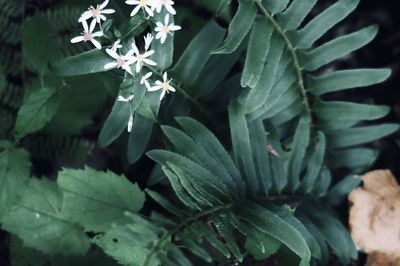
(64, 149)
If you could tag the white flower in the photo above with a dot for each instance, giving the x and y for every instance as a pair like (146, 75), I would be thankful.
(148, 39)
(130, 123)
(144, 80)
(163, 85)
(141, 59)
(147, 5)
(163, 29)
(97, 12)
(116, 45)
(127, 99)
(121, 61)
(88, 34)
(158, 4)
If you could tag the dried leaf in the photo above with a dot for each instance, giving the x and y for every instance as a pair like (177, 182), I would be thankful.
(375, 218)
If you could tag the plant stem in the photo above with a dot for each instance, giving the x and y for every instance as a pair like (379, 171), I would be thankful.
(292, 49)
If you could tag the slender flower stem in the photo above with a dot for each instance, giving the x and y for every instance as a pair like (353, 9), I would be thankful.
(292, 49)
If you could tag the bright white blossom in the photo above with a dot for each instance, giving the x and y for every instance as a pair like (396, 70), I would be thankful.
(148, 39)
(144, 80)
(163, 85)
(88, 34)
(130, 123)
(158, 4)
(147, 5)
(97, 12)
(121, 61)
(164, 29)
(127, 99)
(117, 45)
(141, 59)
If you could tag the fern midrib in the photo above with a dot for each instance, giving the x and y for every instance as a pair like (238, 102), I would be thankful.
(292, 50)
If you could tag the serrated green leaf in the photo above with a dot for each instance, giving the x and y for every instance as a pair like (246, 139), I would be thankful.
(14, 175)
(38, 109)
(165, 203)
(260, 245)
(337, 48)
(295, 14)
(324, 22)
(359, 135)
(37, 219)
(358, 159)
(198, 52)
(242, 147)
(346, 79)
(97, 200)
(85, 63)
(239, 27)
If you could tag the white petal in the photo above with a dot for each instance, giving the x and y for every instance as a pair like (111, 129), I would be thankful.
(98, 34)
(159, 35)
(104, 4)
(132, 2)
(148, 75)
(108, 11)
(159, 26)
(165, 76)
(149, 11)
(127, 68)
(85, 16)
(101, 17)
(154, 88)
(135, 49)
(138, 66)
(112, 53)
(171, 89)
(92, 25)
(85, 26)
(149, 62)
(163, 37)
(170, 9)
(174, 27)
(130, 123)
(166, 20)
(110, 65)
(159, 83)
(148, 53)
(77, 39)
(96, 44)
(162, 94)
(135, 11)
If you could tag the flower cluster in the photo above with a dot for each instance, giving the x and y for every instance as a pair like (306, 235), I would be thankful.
(134, 58)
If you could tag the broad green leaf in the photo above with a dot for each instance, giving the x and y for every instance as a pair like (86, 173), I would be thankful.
(23, 256)
(338, 48)
(211, 144)
(259, 94)
(335, 110)
(133, 27)
(359, 135)
(118, 119)
(357, 159)
(314, 164)
(274, 6)
(317, 27)
(38, 220)
(85, 63)
(341, 190)
(274, 226)
(239, 27)
(139, 137)
(97, 200)
(242, 147)
(14, 175)
(300, 143)
(36, 111)
(295, 14)
(130, 244)
(225, 230)
(332, 230)
(257, 52)
(198, 52)
(323, 182)
(346, 79)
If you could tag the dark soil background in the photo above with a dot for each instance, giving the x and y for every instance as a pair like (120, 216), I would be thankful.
(384, 51)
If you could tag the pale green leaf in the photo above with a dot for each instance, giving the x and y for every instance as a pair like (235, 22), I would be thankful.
(295, 14)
